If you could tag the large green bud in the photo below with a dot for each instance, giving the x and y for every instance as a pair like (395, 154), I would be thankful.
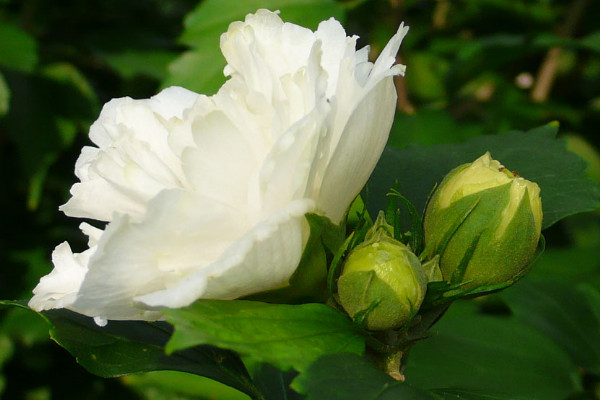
(383, 282)
(484, 222)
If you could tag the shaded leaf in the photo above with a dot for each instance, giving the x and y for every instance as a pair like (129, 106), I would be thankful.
(350, 377)
(537, 155)
(62, 102)
(4, 96)
(591, 41)
(568, 265)
(172, 385)
(126, 347)
(18, 49)
(151, 63)
(273, 383)
(562, 313)
(490, 354)
(283, 335)
(450, 394)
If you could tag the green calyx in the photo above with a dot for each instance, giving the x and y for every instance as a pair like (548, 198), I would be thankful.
(383, 283)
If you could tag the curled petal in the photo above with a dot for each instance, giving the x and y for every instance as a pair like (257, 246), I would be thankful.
(349, 168)
(263, 258)
(133, 161)
(59, 288)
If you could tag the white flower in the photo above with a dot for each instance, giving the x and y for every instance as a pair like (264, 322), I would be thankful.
(205, 197)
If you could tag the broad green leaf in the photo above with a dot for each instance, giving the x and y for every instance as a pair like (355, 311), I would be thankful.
(451, 394)
(4, 96)
(496, 354)
(536, 155)
(562, 313)
(592, 295)
(18, 49)
(286, 336)
(201, 68)
(570, 265)
(126, 347)
(173, 385)
(350, 377)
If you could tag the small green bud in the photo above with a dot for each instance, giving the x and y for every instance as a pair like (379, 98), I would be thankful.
(484, 222)
(383, 279)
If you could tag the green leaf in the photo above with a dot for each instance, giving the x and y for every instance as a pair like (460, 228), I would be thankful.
(4, 96)
(172, 385)
(591, 41)
(537, 155)
(426, 76)
(126, 347)
(450, 394)
(561, 312)
(201, 69)
(350, 377)
(568, 265)
(282, 335)
(47, 111)
(18, 49)
(6, 352)
(273, 383)
(152, 63)
(485, 353)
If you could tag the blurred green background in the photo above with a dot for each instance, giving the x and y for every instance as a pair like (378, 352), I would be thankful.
(475, 67)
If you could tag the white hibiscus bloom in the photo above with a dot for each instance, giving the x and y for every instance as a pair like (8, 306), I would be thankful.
(206, 197)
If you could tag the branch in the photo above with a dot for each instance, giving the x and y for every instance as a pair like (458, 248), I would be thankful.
(547, 71)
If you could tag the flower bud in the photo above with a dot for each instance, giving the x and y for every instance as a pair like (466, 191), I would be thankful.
(383, 279)
(484, 222)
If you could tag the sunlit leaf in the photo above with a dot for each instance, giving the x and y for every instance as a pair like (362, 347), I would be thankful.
(283, 335)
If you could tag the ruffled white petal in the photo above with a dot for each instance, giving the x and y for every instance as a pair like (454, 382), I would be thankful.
(182, 232)
(59, 288)
(133, 161)
(263, 258)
